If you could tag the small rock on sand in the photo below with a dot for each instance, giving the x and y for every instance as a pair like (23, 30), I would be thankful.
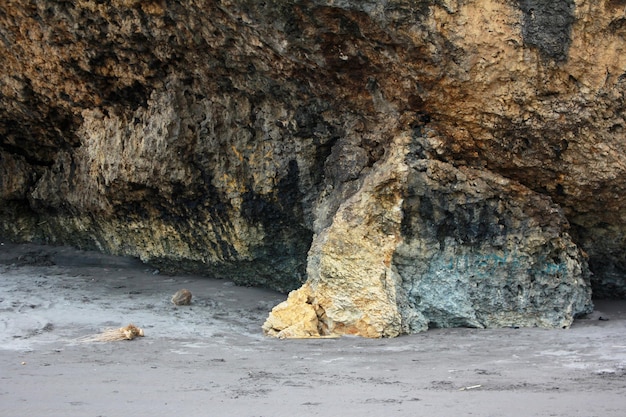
(182, 297)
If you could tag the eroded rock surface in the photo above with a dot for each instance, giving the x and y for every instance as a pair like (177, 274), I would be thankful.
(426, 244)
(429, 163)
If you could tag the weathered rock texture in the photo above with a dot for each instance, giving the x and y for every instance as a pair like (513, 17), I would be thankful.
(417, 163)
(425, 244)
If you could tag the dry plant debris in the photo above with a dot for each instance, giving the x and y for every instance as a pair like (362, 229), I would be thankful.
(113, 335)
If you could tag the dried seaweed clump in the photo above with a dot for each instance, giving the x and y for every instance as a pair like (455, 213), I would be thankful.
(113, 335)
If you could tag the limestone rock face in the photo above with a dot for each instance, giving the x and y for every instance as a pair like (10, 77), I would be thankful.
(413, 163)
(426, 244)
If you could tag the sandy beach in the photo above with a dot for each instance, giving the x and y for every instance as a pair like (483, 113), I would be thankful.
(211, 359)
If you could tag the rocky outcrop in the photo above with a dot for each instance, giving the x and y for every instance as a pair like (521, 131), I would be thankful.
(416, 164)
(426, 244)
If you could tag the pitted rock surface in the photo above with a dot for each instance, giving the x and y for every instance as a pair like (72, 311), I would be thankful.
(381, 152)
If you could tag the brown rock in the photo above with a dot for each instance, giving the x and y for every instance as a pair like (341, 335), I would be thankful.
(182, 297)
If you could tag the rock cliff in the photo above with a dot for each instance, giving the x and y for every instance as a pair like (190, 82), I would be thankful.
(406, 164)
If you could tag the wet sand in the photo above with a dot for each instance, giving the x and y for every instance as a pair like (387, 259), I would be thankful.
(211, 359)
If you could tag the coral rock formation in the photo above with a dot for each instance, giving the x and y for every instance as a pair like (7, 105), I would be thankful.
(412, 163)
